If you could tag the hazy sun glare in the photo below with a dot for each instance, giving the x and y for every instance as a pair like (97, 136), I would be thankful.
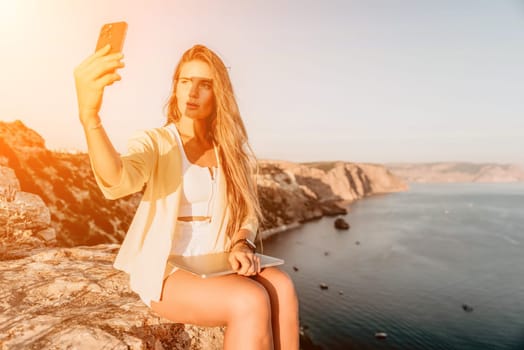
(8, 13)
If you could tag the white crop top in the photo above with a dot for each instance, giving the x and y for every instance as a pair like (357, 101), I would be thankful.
(199, 187)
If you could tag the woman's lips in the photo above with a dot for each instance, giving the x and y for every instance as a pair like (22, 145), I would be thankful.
(191, 105)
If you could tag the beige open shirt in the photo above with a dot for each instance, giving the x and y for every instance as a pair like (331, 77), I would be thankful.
(154, 159)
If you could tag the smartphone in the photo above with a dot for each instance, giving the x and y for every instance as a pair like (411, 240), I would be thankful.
(114, 34)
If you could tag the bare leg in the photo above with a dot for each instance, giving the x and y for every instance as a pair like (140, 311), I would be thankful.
(284, 307)
(237, 302)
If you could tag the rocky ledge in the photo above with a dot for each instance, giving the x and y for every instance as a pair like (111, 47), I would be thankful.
(72, 298)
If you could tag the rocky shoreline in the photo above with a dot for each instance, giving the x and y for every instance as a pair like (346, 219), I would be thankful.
(58, 238)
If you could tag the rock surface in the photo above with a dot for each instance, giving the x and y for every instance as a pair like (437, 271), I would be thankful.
(72, 298)
(25, 221)
(341, 224)
(80, 215)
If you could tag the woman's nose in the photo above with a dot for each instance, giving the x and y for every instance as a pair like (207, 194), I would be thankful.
(193, 92)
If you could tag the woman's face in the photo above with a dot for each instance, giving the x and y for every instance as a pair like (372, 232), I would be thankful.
(194, 90)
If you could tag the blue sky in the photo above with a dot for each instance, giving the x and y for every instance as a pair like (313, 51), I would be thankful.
(368, 81)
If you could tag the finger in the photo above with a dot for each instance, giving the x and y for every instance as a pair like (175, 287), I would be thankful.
(98, 64)
(90, 74)
(108, 79)
(257, 263)
(235, 264)
(95, 60)
(253, 269)
(101, 52)
(114, 56)
(117, 78)
(97, 71)
(245, 264)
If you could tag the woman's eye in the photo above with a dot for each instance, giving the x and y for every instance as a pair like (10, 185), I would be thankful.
(206, 86)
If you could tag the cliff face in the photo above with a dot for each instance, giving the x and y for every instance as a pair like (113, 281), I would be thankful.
(458, 172)
(298, 192)
(80, 215)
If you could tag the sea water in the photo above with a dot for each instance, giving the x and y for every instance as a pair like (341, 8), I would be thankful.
(408, 264)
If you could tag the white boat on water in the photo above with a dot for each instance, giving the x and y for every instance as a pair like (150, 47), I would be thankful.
(381, 335)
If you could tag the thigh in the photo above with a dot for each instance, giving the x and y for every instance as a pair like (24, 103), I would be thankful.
(187, 298)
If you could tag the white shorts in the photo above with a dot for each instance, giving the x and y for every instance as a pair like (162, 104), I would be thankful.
(193, 238)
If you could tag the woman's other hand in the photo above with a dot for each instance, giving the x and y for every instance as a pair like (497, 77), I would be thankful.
(91, 77)
(244, 261)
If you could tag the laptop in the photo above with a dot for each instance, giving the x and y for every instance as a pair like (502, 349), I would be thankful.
(216, 264)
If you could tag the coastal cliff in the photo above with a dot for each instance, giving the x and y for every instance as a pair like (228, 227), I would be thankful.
(59, 237)
(80, 215)
(292, 193)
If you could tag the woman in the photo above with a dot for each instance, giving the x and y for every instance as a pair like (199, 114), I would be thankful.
(199, 197)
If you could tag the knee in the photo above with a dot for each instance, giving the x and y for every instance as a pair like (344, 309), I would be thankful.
(286, 290)
(252, 301)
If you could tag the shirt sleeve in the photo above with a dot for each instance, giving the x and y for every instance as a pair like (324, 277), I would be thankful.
(137, 165)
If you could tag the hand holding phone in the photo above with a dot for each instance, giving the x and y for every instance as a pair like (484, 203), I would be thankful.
(113, 34)
(98, 71)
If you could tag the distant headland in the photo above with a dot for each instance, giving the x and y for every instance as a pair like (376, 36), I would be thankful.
(448, 172)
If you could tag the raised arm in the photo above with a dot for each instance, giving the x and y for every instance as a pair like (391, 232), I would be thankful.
(91, 77)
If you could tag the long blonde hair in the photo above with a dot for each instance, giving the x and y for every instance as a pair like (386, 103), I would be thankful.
(237, 159)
